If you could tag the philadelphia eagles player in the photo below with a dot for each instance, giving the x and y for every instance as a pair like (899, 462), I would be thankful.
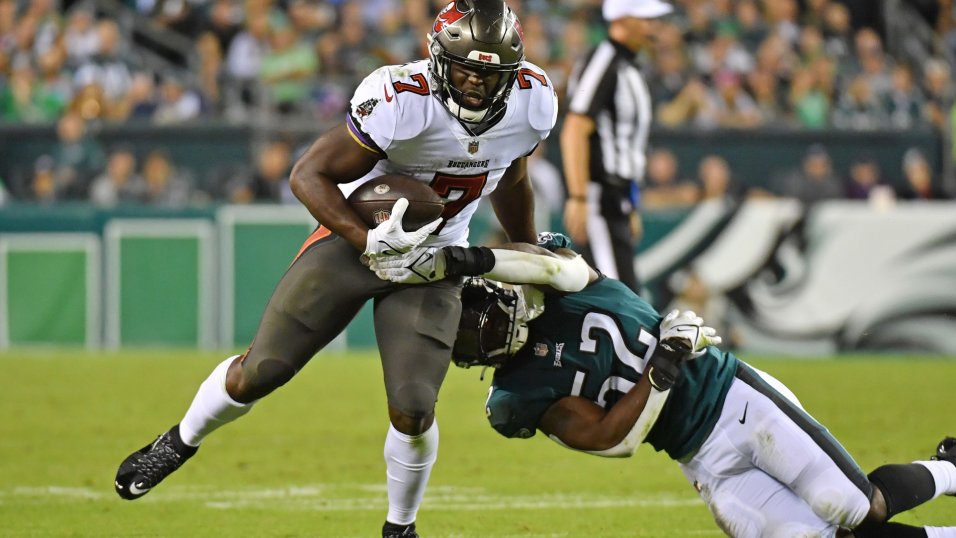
(573, 365)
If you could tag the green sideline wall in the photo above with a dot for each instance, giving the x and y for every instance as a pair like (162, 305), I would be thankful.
(76, 275)
(139, 277)
(839, 276)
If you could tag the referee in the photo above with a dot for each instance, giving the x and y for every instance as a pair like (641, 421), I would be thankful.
(604, 139)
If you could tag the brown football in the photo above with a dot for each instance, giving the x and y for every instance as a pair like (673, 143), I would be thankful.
(374, 199)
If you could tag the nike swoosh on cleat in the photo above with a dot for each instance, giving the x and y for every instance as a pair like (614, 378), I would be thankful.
(135, 490)
(744, 417)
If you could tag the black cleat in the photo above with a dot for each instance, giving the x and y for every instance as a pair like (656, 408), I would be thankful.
(148, 466)
(391, 530)
(946, 451)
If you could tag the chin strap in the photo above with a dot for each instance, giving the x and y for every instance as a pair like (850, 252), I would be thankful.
(466, 114)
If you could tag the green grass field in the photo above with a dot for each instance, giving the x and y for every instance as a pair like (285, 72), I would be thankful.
(308, 460)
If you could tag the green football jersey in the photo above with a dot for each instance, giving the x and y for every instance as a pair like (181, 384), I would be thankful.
(595, 344)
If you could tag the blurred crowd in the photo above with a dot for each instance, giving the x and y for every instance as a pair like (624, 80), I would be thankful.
(716, 63)
(815, 179)
(753, 63)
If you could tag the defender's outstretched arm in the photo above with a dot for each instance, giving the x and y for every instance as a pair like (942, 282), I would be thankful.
(514, 263)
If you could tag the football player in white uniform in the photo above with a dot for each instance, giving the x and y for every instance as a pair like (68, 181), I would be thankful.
(463, 122)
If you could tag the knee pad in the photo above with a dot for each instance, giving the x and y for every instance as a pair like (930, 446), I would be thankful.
(904, 486)
(840, 507)
(414, 399)
(259, 378)
(734, 517)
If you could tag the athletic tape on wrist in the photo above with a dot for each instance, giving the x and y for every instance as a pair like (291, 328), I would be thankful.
(471, 261)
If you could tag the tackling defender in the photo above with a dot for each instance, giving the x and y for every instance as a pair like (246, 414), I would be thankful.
(599, 370)
(462, 121)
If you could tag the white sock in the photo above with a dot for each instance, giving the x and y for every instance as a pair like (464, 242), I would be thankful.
(408, 463)
(940, 532)
(944, 475)
(211, 408)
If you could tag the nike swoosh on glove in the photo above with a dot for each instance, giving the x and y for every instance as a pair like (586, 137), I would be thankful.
(417, 266)
(389, 238)
(685, 331)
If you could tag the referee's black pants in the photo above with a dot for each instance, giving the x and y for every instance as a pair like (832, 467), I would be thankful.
(611, 244)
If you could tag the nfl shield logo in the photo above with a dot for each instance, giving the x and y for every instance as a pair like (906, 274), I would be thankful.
(473, 147)
(540, 350)
(380, 216)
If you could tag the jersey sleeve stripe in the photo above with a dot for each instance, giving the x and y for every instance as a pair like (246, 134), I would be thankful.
(361, 138)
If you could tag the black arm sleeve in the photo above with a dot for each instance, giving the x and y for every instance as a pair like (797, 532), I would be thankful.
(471, 261)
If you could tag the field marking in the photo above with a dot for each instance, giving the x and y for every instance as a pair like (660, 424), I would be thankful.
(343, 497)
(350, 498)
(53, 491)
(550, 535)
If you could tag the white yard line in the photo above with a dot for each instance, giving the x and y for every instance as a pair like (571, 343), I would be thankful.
(356, 497)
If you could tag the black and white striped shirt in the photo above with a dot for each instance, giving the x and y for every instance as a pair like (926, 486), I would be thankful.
(608, 87)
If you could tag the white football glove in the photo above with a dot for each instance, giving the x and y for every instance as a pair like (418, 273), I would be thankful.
(417, 266)
(389, 238)
(686, 331)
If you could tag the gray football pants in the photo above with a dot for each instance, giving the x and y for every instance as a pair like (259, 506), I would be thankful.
(318, 296)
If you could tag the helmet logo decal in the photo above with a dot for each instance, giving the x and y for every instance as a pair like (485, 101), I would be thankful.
(447, 17)
(488, 57)
(519, 29)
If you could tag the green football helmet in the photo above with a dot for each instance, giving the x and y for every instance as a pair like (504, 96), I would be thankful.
(489, 331)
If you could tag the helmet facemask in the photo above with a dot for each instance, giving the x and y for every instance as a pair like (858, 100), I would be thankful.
(489, 331)
(480, 36)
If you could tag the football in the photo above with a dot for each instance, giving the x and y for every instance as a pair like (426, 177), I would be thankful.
(374, 199)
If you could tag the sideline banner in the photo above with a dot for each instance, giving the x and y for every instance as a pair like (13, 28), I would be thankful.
(773, 277)
(842, 276)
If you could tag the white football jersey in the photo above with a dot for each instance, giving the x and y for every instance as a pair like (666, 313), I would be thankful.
(394, 113)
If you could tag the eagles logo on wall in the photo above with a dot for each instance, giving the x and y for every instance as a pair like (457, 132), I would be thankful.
(774, 277)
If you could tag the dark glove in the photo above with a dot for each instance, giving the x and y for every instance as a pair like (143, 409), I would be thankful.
(663, 370)
(682, 335)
